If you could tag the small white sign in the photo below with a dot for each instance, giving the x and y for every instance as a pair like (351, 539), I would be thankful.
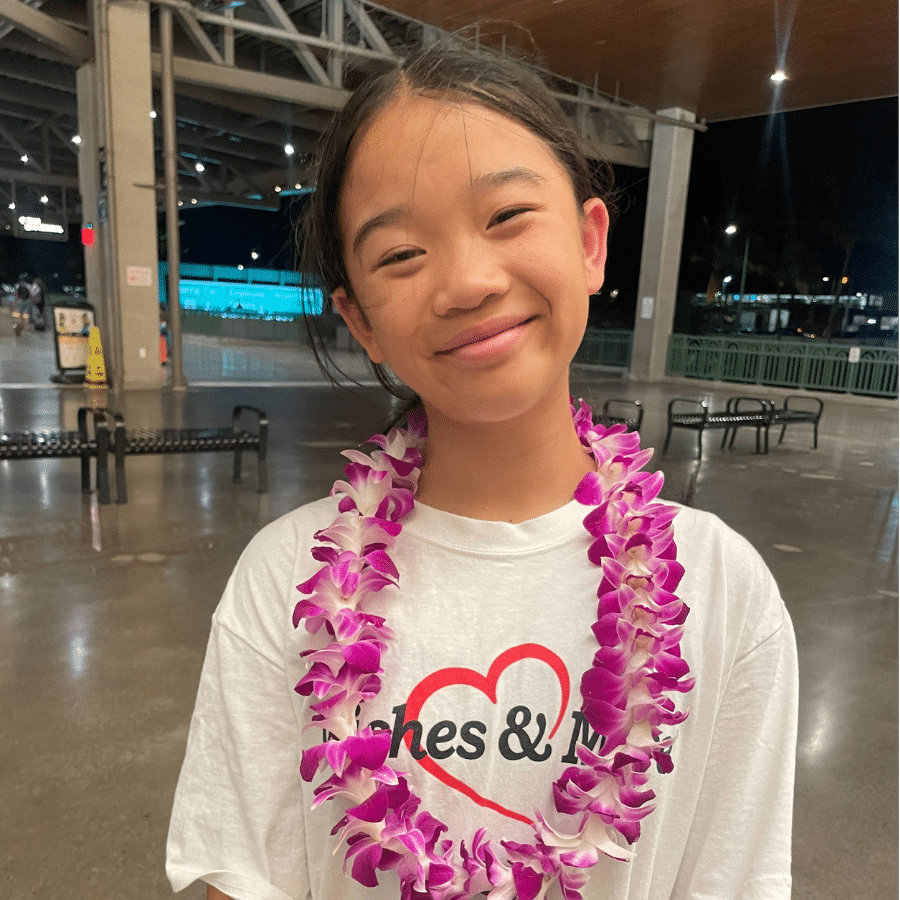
(853, 354)
(646, 307)
(140, 276)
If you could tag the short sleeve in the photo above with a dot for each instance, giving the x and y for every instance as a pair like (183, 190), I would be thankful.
(739, 844)
(237, 818)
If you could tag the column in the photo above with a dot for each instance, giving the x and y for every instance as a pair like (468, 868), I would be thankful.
(670, 166)
(125, 195)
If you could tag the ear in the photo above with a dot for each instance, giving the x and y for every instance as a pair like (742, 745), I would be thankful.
(594, 228)
(358, 324)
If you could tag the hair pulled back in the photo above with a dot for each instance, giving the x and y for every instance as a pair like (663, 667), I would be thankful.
(449, 67)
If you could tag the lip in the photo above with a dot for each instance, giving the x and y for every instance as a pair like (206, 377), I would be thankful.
(483, 332)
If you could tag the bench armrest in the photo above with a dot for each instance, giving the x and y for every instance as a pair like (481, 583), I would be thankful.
(765, 405)
(804, 399)
(262, 420)
(703, 410)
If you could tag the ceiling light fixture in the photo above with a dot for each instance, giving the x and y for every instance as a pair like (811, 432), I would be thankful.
(199, 166)
(289, 149)
(76, 138)
(778, 76)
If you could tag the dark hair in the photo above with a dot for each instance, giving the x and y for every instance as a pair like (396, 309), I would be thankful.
(450, 67)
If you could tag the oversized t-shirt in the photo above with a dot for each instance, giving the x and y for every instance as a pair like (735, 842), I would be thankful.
(481, 691)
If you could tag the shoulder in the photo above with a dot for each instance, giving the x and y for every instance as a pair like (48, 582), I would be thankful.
(261, 592)
(732, 594)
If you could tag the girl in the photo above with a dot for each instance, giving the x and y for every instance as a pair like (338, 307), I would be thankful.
(471, 670)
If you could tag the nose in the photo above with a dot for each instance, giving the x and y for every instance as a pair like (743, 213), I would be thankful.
(469, 273)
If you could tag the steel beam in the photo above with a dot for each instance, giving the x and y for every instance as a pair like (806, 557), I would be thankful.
(199, 37)
(77, 47)
(243, 81)
(309, 62)
(25, 177)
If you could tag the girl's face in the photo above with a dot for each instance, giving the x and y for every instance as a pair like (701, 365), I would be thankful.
(469, 258)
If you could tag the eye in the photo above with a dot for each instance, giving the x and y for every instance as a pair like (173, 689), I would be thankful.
(505, 215)
(399, 256)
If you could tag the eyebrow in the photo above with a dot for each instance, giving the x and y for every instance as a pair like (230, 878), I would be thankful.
(480, 183)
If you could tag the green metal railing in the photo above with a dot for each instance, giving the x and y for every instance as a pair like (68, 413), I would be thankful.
(799, 364)
(600, 347)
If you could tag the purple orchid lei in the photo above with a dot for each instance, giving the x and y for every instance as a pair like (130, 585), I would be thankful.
(638, 629)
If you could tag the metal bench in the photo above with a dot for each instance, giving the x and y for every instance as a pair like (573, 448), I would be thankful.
(785, 415)
(79, 444)
(145, 441)
(793, 415)
(699, 418)
(623, 412)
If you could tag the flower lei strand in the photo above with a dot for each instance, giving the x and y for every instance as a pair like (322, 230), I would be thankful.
(638, 628)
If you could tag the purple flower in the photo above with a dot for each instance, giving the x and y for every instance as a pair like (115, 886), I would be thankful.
(638, 663)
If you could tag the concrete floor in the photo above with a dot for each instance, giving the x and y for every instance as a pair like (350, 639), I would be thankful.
(104, 611)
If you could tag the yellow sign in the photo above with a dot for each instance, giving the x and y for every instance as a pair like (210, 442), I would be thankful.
(95, 374)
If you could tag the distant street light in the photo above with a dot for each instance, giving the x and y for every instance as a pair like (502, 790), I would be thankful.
(726, 279)
(732, 229)
(254, 254)
(778, 76)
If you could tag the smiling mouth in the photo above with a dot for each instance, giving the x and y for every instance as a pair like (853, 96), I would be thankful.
(484, 333)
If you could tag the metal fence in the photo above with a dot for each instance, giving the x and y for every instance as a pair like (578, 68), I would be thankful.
(605, 348)
(817, 366)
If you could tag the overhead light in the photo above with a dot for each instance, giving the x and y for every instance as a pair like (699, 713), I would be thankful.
(199, 166)
(181, 202)
(12, 205)
(240, 268)
(24, 157)
(277, 189)
(76, 138)
(289, 149)
(726, 279)
(780, 75)
(297, 186)
(45, 198)
(193, 201)
(254, 254)
(731, 229)
(825, 278)
(152, 113)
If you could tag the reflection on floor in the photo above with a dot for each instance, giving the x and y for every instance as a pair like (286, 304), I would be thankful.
(104, 611)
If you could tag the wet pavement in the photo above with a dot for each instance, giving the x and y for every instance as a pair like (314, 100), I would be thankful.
(104, 610)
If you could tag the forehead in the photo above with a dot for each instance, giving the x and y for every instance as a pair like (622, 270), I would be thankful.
(417, 146)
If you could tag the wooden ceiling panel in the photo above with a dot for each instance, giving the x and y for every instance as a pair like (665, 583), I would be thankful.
(713, 57)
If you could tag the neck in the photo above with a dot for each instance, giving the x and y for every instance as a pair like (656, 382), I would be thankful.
(510, 471)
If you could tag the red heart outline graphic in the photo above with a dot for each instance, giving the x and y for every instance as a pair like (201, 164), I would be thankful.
(487, 684)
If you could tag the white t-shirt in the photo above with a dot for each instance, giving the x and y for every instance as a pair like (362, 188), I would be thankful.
(492, 625)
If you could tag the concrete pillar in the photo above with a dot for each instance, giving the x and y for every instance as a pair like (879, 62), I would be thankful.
(125, 192)
(670, 166)
(93, 212)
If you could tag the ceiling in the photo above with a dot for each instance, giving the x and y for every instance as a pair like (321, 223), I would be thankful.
(711, 57)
